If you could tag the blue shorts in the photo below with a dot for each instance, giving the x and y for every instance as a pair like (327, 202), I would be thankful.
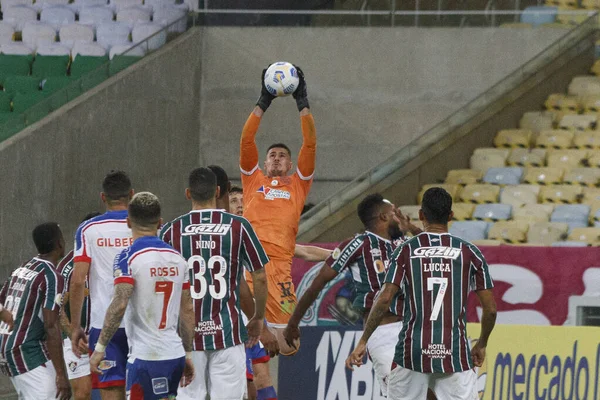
(114, 364)
(255, 355)
(153, 380)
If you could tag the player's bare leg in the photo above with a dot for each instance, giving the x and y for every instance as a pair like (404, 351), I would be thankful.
(82, 388)
(251, 391)
(263, 381)
(113, 393)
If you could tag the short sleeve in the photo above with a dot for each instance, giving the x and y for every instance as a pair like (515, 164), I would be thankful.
(254, 255)
(479, 274)
(345, 253)
(399, 262)
(81, 252)
(52, 289)
(122, 269)
(166, 234)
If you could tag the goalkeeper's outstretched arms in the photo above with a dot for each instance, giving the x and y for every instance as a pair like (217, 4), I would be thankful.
(308, 152)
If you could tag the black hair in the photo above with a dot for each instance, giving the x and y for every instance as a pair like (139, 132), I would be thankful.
(90, 216)
(202, 184)
(307, 207)
(116, 185)
(368, 208)
(436, 206)
(144, 209)
(280, 145)
(236, 189)
(46, 237)
(222, 179)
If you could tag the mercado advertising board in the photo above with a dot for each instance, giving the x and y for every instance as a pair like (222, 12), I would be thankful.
(532, 286)
(522, 362)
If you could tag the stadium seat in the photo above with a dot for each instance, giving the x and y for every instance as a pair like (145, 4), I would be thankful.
(509, 231)
(504, 176)
(95, 77)
(154, 35)
(53, 49)
(452, 189)
(533, 212)
(84, 64)
(18, 16)
(57, 16)
(536, 121)
(22, 84)
(546, 233)
(411, 212)
(14, 65)
(480, 193)
(16, 49)
(94, 16)
(45, 66)
(56, 83)
(575, 215)
(590, 5)
(462, 211)
(174, 17)
(43, 4)
(487, 242)
(539, 15)
(38, 33)
(23, 101)
(5, 100)
(157, 4)
(595, 215)
(583, 176)
(75, 33)
(556, 139)
(561, 102)
(587, 140)
(11, 123)
(463, 176)
(569, 243)
(590, 195)
(591, 236)
(593, 159)
(134, 15)
(543, 176)
(6, 4)
(126, 50)
(564, 194)
(112, 33)
(484, 158)
(584, 122)
(119, 63)
(123, 4)
(527, 157)
(510, 138)
(590, 104)
(79, 5)
(584, 86)
(469, 230)
(519, 195)
(492, 212)
(87, 49)
(7, 33)
(565, 158)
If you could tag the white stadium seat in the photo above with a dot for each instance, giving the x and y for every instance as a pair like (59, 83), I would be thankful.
(16, 49)
(88, 49)
(122, 4)
(95, 16)
(75, 33)
(6, 4)
(37, 33)
(54, 49)
(144, 31)
(156, 4)
(57, 16)
(19, 15)
(126, 48)
(133, 15)
(168, 15)
(109, 34)
(42, 4)
(7, 32)
(79, 5)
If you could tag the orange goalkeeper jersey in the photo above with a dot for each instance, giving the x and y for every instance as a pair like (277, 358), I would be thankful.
(273, 205)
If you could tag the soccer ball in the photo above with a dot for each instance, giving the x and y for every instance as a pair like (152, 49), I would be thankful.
(281, 79)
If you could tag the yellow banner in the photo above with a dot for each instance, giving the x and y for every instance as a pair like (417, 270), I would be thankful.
(540, 363)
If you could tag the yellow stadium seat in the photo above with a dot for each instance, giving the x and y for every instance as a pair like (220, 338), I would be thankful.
(594, 207)
(509, 231)
(411, 212)
(590, 104)
(591, 5)
(584, 86)
(533, 212)
(543, 176)
(589, 235)
(587, 140)
(485, 158)
(590, 195)
(487, 242)
(562, 102)
(564, 194)
(453, 190)
(566, 158)
(557, 139)
(462, 211)
(479, 193)
(518, 195)
(527, 158)
(536, 121)
(546, 233)
(583, 176)
(463, 176)
(578, 122)
(593, 159)
(510, 138)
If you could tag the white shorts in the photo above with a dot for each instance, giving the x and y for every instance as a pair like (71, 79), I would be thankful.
(76, 367)
(37, 384)
(382, 347)
(220, 373)
(407, 384)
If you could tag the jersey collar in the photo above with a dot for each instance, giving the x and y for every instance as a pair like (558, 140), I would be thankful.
(379, 237)
(44, 261)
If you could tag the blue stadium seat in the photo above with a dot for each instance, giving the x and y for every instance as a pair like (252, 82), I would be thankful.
(492, 212)
(538, 15)
(575, 215)
(470, 230)
(504, 176)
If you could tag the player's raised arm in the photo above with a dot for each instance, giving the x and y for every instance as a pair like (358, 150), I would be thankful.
(311, 253)
(308, 151)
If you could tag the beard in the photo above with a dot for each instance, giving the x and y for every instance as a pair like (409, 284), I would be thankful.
(395, 232)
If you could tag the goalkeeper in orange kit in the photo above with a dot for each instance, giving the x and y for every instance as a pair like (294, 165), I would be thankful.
(273, 202)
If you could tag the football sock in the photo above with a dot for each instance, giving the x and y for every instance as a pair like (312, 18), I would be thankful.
(267, 393)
